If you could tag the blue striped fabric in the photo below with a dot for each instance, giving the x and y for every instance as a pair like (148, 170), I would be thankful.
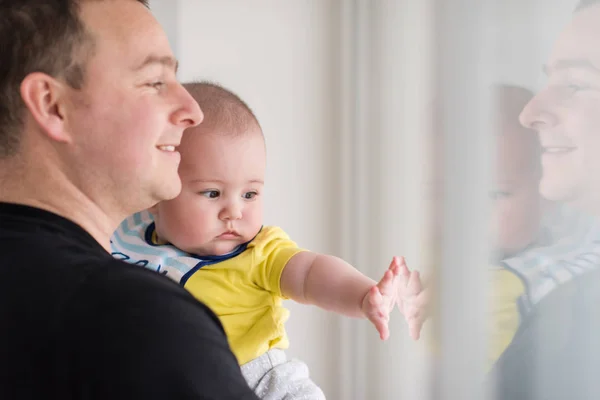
(128, 243)
(572, 248)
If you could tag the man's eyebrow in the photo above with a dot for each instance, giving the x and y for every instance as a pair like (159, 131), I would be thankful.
(167, 61)
(568, 63)
(221, 182)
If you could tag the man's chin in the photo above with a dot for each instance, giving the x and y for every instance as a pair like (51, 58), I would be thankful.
(578, 197)
(170, 190)
(560, 191)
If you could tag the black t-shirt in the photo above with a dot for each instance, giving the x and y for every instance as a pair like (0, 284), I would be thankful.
(77, 324)
(555, 354)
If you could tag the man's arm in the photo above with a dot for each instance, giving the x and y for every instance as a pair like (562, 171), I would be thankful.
(134, 334)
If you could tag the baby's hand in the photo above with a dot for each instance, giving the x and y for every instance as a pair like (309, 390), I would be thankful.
(413, 300)
(379, 302)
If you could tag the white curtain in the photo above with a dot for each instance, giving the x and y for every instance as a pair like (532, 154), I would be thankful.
(349, 93)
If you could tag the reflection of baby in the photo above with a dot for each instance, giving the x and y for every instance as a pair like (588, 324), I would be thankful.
(517, 208)
(516, 202)
(212, 241)
(515, 218)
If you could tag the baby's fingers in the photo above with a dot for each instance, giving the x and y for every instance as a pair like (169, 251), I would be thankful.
(388, 285)
(414, 285)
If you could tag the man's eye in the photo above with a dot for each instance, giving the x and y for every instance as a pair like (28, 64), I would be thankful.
(211, 194)
(157, 84)
(576, 87)
(250, 195)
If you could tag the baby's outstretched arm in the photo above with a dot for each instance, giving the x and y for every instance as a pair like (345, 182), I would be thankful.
(334, 285)
(414, 300)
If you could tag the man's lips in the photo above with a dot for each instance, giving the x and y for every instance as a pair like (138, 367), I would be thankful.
(558, 150)
(170, 148)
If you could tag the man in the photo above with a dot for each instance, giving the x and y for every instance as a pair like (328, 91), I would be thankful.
(556, 353)
(91, 114)
(565, 114)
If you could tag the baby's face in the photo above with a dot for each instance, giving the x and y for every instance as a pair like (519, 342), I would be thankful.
(516, 202)
(220, 205)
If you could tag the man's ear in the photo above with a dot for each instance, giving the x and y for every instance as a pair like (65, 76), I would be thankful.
(44, 97)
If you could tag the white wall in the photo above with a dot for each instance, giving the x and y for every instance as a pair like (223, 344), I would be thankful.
(341, 88)
(526, 31)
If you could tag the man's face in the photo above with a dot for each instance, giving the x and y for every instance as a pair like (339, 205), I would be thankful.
(566, 113)
(131, 111)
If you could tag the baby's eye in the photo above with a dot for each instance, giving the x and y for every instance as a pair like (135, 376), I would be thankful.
(211, 194)
(249, 195)
(499, 194)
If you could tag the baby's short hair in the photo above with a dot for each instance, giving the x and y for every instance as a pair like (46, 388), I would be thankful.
(509, 101)
(223, 110)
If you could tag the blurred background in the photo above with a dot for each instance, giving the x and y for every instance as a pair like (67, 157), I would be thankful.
(376, 114)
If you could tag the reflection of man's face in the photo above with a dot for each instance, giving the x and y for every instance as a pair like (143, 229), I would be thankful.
(566, 113)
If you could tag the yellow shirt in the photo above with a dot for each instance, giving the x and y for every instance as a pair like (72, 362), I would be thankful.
(504, 318)
(244, 291)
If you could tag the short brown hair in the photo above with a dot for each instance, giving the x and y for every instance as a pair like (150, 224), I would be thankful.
(221, 107)
(586, 3)
(509, 101)
(38, 36)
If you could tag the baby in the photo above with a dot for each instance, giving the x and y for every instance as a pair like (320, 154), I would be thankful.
(517, 209)
(516, 222)
(211, 240)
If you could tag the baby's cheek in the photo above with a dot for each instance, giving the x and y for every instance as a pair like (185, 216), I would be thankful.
(254, 215)
(510, 225)
(184, 227)
(198, 226)
(523, 223)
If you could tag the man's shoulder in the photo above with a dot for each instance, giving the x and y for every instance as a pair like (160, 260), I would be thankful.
(124, 288)
(552, 354)
(142, 325)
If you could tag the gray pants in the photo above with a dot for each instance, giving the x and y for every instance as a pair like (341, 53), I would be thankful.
(273, 377)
